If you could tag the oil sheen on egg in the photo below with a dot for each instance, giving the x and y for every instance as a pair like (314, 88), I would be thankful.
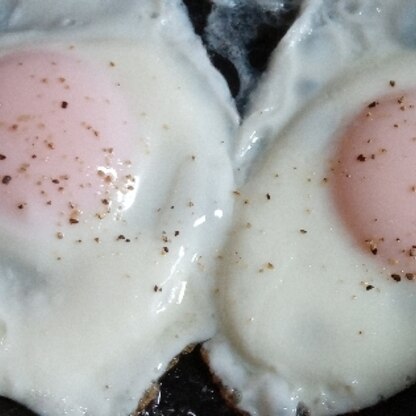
(116, 186)
(316, 292)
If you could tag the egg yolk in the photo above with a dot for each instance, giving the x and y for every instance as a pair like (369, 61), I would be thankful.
(65, 139)
(375, 181)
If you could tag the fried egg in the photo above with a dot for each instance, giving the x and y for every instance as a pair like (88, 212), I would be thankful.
(316, 291)
(116, 191)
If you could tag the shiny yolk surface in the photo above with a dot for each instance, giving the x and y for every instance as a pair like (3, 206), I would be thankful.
(65, 139)
(375, 186)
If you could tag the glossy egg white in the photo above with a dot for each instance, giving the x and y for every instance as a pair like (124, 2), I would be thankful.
(92, 311)
(308, 320)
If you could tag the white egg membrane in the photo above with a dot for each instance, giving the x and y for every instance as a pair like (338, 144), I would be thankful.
(298, 327)
(88, 334)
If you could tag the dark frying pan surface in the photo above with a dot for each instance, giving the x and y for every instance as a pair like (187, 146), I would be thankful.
(187, 389)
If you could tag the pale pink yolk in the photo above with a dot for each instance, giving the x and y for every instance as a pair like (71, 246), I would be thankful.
(65, 139)
(375, 181)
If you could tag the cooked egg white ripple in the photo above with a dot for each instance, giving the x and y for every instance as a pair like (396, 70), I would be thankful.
(327, 38)
(116, 183)
(312, 316)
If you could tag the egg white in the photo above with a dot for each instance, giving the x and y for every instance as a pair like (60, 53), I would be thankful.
(299, 329)
(89, 321)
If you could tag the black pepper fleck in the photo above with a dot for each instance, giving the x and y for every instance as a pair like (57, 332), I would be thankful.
(6, 179)
(396, 277)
